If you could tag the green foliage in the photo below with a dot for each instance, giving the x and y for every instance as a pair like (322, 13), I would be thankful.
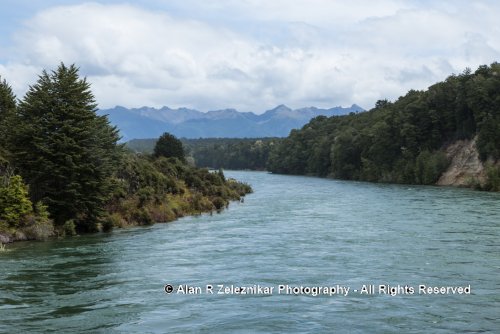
(399, 141)
(107, 225)
(14, 201)
(7, 108)
(7, 98)
(169, 146)
(229, 153)
(143, 217)
(41, 211)
(69, 228)
(113, 220)
(145, 195)
(219, 203)
(220, 172)
(429, 167)
(71, 161)
(162, 189)
(65, 152)
(492, 178)
(39, 226)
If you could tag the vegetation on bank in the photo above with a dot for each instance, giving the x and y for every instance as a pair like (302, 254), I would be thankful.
(402, 141)
(62, 171)
(228, 153)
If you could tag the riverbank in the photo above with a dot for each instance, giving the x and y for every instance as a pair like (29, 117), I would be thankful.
(141, 210)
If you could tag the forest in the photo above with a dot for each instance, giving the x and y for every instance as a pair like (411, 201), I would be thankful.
(63, 172)
(402, 141)
(395, 142)
(229, 153)
(232, 153)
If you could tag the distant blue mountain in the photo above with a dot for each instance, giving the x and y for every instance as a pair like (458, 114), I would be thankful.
(148, 122)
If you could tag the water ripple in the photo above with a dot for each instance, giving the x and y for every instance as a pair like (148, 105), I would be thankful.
(292, 230)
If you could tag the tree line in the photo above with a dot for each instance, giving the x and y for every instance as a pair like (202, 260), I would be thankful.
(231, 153)
(228, 153)
(401, 141)
(62, 170)
(398, 142)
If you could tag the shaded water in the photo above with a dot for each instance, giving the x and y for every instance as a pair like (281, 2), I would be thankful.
(295, 231)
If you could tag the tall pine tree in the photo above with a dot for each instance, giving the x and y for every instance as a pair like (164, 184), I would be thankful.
(63, 149)
(7, 109)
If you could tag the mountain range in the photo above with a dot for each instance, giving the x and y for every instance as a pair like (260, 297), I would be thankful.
(149, 122)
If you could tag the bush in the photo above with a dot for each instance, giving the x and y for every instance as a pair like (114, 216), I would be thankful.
(219, 203)
(162, 213)
(69, 227)
(201, 203)
(107, 225)
(14, 201)
(429, 166)
(39, 230)
(115, 220)
(41, 227)
(145, 195)
(493, 178)
(143, 217)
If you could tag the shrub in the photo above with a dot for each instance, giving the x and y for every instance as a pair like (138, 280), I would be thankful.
(493, 178)
(143, 217)
(39, 230)
(429, 166)
(107, 225)
(69, 227)
(14, 201)
(145, 195)
(40, 226)
(162, 213)
(219, 203)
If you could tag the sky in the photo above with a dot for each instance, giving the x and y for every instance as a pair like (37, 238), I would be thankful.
(251, 55)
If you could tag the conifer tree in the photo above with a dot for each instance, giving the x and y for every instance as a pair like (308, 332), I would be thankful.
(169, 146)
(63, 149)
(7, 108)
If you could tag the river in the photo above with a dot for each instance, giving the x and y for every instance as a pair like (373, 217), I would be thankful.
(325, 236)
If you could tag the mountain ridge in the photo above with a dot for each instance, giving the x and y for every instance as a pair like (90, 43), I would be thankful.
(148, 122)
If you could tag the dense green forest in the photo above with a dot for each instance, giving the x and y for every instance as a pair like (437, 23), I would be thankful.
(229, 153)
(401, 141)
(232, 153)
(62, 170)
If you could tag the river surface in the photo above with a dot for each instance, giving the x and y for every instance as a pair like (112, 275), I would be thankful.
(295, 231)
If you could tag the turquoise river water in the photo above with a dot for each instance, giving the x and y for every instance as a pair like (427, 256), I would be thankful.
(313, 256)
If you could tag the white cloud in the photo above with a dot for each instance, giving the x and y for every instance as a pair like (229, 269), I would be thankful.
(255, 54)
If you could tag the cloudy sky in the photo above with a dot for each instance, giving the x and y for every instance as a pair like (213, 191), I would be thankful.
(248, 54)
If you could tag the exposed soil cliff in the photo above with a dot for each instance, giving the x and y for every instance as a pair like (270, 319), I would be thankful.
(466, 169)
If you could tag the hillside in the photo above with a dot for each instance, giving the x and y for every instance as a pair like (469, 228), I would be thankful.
(148, 122)
(453, 128)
